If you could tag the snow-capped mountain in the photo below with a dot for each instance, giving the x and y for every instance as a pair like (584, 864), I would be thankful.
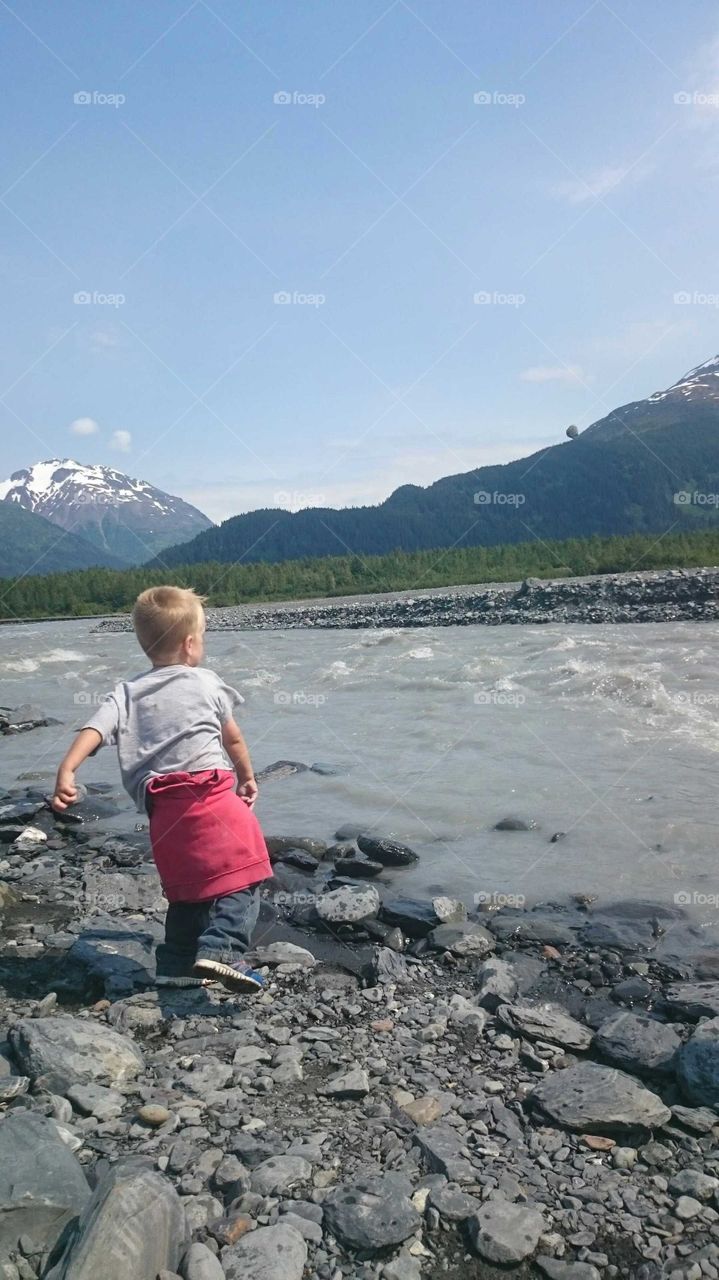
(693, 397)
(126, 518)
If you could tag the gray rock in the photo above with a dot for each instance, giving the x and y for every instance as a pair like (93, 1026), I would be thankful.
(514, 824)
(134, 1225)
(451, 1203)
(693, 1000)
(504, 1232)
(285, 844)
(698, 1119)
(285, 953)
(497, 983)
(309, 1230)
(270, 1253)
(138, 890)
(596, 1099)
(442, 1149)
(199, 1263)
(692, 1182)
(348, 905)
(280, 1174)
(357, 867)
(389, 852)
(42, 1185)
(698, 1065)
(96, 1100)
(122, 958)
(464, 939)
(558, 1269)
(65, 1051)
(545, 1022)
(414, 916)
(348, 1084)
(372, 1213)
(638, 1043)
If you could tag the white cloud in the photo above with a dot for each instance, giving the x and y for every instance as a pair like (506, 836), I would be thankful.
(121, 440)
(84, 427)
(570, 373)
(599, 183)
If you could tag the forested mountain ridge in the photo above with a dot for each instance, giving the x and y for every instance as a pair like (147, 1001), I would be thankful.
(645, 467)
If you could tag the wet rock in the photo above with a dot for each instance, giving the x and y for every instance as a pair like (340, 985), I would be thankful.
(42, 1185)
(632, 990)
(466, 939)
(285, 844)
(299, 859)
(414, 916)
(358, 867)
(370, 1214)
(134, 1225)
(66, 1051)
(545, 1022)
(693, 1000)
(514, 824)
(594, 1099)
(505, 1233)
(389, 852)
(617, 935)
(638, 1043)
(120, 955)
(349, 905)
(698, 1065)
(281, 769)
(270, 1253)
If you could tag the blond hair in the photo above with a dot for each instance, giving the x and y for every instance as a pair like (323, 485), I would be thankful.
(164, 617)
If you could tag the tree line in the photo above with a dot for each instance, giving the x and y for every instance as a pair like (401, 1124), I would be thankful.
(107, 591)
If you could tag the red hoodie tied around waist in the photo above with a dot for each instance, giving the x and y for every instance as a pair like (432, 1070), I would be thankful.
(206, 842)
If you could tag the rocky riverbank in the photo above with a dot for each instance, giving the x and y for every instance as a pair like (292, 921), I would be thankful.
(673, 595)
(420, 1091)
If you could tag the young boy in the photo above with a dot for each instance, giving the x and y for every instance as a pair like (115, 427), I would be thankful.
(174, 729)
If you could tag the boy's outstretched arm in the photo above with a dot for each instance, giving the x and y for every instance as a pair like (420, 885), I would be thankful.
(87, 741)
(236, 748)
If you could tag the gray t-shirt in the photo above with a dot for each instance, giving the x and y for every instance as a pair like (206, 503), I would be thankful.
(167, 720)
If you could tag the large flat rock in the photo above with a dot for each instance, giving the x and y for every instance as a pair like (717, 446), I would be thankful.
(698, 1065)
(638, 1043)
(134, 1226)
(545, 1022)
(270, 1253)
(65, 1051)
(42, 1185)
(372, 1213)
(594, 1099)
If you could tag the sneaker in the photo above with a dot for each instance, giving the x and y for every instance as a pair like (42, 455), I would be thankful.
(236, 977)
(170, 980)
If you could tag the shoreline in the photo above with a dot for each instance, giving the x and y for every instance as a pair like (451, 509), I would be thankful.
(420, 1090)
(651, 596)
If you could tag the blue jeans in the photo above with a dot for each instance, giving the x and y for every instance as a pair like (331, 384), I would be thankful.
(218, 929)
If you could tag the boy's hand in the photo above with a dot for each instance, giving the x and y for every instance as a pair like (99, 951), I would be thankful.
(248, 791)
(65, 790)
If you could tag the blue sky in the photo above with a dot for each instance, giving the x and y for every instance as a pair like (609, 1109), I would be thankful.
(577, 195)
